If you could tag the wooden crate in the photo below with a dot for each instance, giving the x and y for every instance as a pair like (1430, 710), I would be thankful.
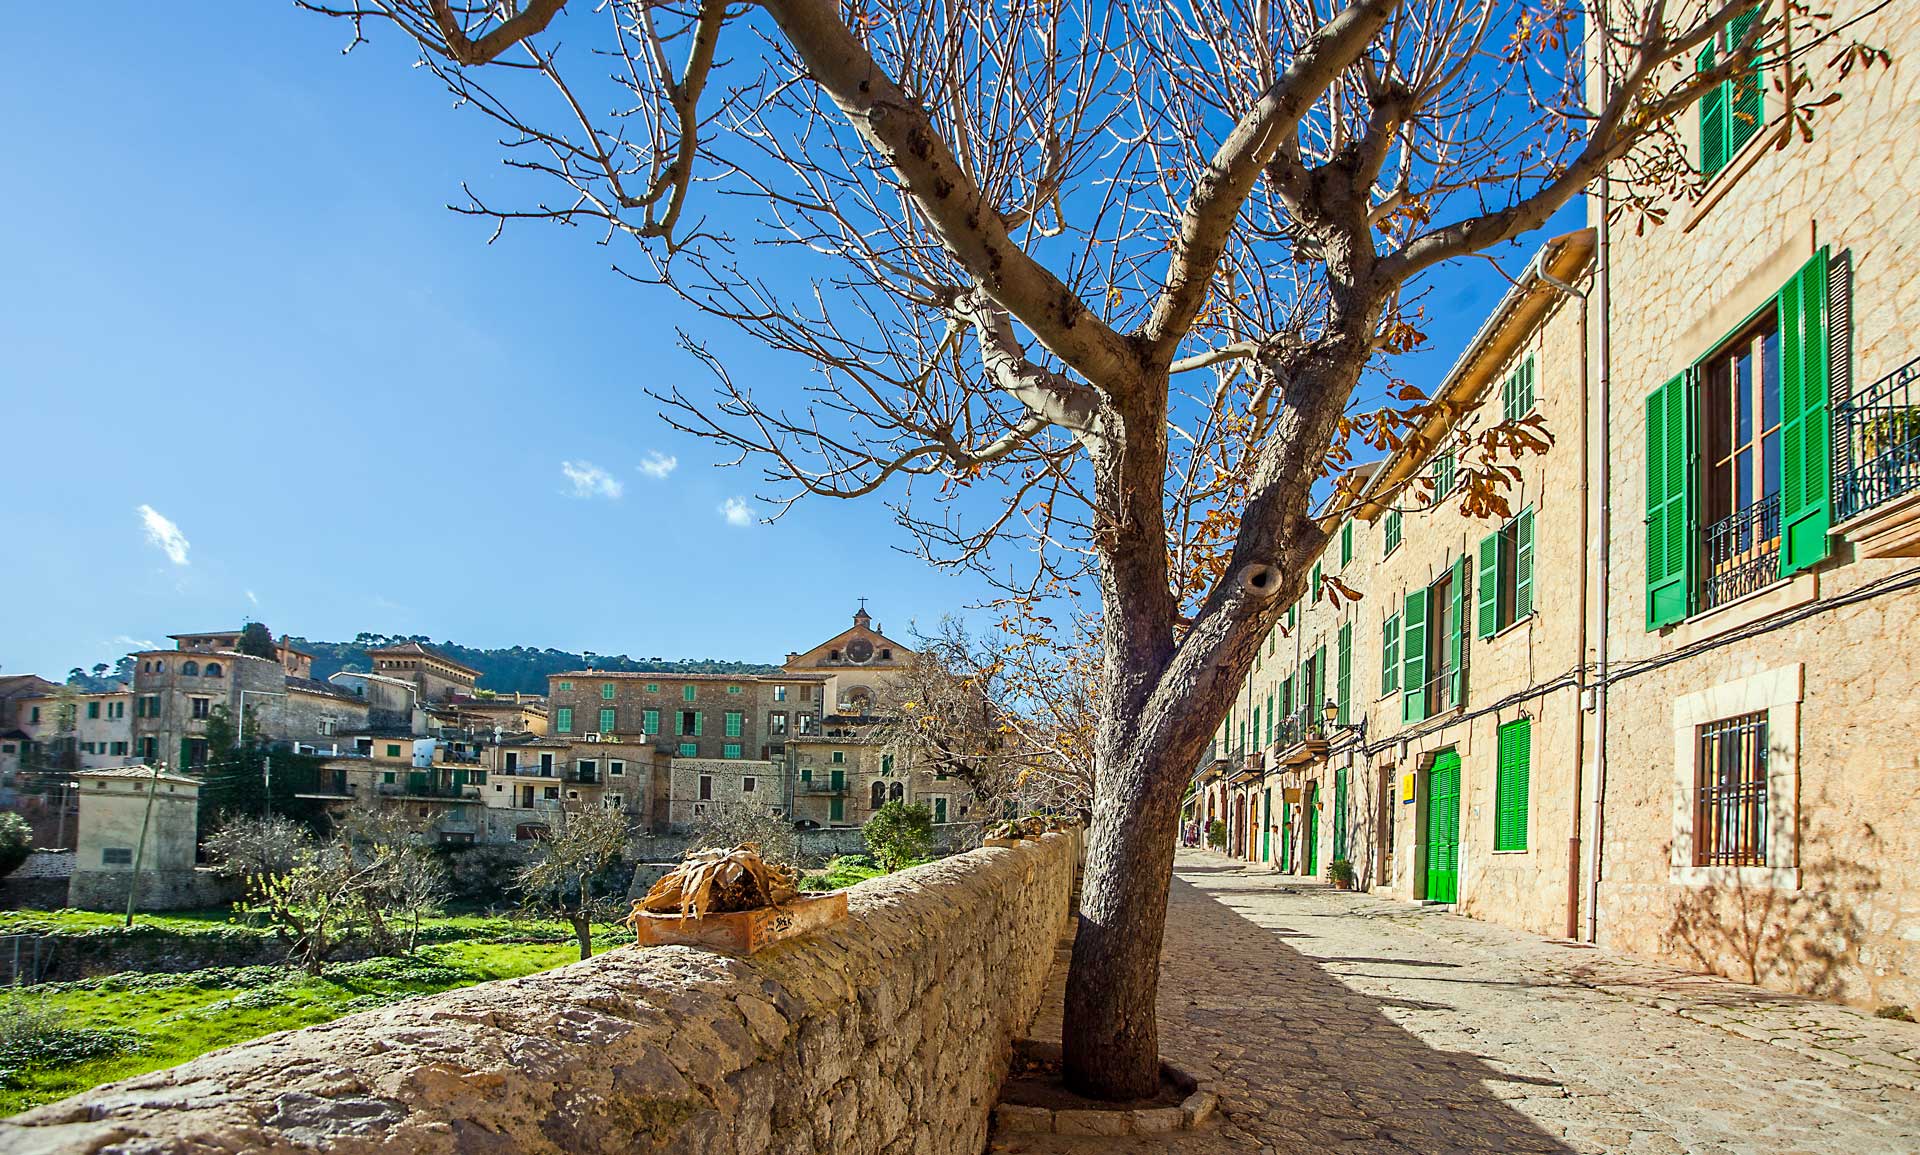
(746, 931)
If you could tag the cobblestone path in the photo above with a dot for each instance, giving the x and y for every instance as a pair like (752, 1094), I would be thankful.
(1342, 1022)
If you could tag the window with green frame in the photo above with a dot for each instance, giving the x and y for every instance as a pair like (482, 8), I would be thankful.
(1732, 111)
(1689, 493)
(606, 691)
(839, 757)
(1313, 584)
(1390, 655)
(1516, 392)
(1510, 785)
(653, 687)
(1504, 584)
(650, 721)
(566, 685)
(1346, 543)
(393, 750)
(730, 750)
(1343, 675)
(1390, 533)
(1433, 646)
(687, 692)
(1441, 469)
(689, 749)
(563, 720)
(736, 720)
(607, 720)
(733, 689)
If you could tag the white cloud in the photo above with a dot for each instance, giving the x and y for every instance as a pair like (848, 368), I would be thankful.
(253, 597)
(136, 643)
(658, 465)
(736, 511)
(589, 480)
(164, 535)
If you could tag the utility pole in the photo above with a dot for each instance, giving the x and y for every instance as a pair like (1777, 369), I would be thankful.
(140, 848)
(267, 803)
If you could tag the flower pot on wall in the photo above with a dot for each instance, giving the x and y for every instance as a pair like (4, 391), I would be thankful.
(745, 931)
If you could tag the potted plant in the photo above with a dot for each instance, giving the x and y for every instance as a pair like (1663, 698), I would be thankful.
(731, 900)
(1340, 873)
(1014, 830)
(1217, 834)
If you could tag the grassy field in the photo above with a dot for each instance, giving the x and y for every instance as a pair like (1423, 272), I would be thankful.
(57, 1039)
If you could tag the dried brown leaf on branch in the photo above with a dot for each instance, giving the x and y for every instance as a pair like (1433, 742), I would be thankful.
(719, 881)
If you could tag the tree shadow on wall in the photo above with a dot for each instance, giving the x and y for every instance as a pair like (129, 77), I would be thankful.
(1806, 940)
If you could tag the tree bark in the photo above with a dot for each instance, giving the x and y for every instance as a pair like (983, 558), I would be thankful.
(583, 933)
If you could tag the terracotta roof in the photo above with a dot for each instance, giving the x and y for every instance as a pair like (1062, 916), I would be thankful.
(415, 649)
(323, 689)
(141, 772)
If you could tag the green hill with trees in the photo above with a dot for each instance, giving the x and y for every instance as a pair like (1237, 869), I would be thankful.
(521, 668)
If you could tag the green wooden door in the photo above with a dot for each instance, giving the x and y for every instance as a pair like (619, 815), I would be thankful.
(939, 809)
(1266, 825)
(1286, 835)
(1443, 828)
(1340, 814)
(1310, 835)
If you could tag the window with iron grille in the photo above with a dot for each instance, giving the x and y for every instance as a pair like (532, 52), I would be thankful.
(1730, 795)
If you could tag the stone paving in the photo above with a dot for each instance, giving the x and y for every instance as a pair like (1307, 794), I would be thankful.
(1344, 1022)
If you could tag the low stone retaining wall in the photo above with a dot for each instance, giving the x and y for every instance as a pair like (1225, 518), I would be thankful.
(196, 888)
(887, 1035)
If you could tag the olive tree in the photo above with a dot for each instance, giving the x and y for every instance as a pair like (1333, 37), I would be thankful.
(1108, 282)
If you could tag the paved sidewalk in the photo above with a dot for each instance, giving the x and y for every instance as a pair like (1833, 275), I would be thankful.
(1343, 1022)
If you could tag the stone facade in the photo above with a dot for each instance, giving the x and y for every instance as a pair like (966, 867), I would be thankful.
(713, 716)
(889, 1033)
(439, 677)
(1718, 776)
(132, 816)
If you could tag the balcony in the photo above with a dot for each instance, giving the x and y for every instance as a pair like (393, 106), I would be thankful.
(1876, 438)
(1301, 737)
(813, 786)
(1741, 554)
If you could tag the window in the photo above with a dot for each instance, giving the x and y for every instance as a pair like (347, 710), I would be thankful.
(1442, 472)
(202, 707)
(803, 723)
(839, 757)
(513, 761)
(213, 669)
(616, 769)
(736, 721)
(653, 687)
(386, 778)
(589, 769)
(1343, 676)
(35, 719)
(1346, 543)
(689, 749)
(650, 721)
(546, 765)
(748, 785)
(1313, 584)
(552, 793)
(1433, 629)
(93, 709)
(733, 689)
(777, 724)
(879, 796)
(566, 685)
(1738, 465)
(1505, 580)
(1730, 113)
(687, 692)
(393, 750)
(607, 720)
(706, 787)
(1390, 654)
(563, 720)
(1730, 811)
(614, 801)
(886, 765)
(116, 855)
(1391, 533)
(730, 750)
(779, 693)
(897, 792)
(189, 669)
(119, 749)
(606, 691)
(1516, 392)
(690, 721)
(1510, 785)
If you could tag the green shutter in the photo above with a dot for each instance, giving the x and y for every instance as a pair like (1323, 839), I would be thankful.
(1511, 785)
(606, 721)
(1256, 725)
(1669, 502)
(1713, 119)
(1457, 639)
(1413, 664)
(699, 718)
(1742, 98)
(1346, 543)
(1343, 685)
(1340, 813)
(1806, 510)
(1523, 564)
(650, 721)
(563, 720)
(1319, 681)
(1313, 589)
(1390, 654)
(1488, 589)
(1391, 533)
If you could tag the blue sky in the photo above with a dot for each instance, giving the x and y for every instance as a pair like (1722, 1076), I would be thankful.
(233, 297)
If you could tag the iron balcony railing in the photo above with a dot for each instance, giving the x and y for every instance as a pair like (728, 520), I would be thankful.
(1742, 553)
(1877, 434)
(1307, 724)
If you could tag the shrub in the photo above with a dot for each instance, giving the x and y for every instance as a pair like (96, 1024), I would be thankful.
(32, 1037)
(487, 875)
(1217, 834)
(899, 834)
(16, 842)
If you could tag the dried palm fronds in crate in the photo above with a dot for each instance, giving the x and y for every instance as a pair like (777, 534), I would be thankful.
(719, 882)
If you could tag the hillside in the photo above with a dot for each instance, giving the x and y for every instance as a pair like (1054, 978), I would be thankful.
(520, 668)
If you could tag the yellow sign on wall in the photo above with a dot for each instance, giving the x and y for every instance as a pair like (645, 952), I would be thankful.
(1406, 786)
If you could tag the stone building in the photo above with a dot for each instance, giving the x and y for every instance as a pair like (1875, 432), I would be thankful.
(1662, 705)
(439, 677)
(850, 769)
(177, 692)
(858, 665)
(532, 776)
(69, 726)
(146, 816)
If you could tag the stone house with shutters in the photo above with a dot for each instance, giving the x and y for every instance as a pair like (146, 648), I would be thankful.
(1665, 706)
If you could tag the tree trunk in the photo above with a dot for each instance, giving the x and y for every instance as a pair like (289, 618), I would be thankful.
(583, 931)
(1111, 1034)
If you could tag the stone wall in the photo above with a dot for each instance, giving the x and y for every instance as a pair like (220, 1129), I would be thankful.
(887, 1034)
(196, 888)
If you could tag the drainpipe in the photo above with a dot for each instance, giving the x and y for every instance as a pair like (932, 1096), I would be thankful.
(1603, 279)
(1580, 599)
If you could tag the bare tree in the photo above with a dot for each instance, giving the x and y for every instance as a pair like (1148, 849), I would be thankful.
(1114, 273)
(569, 876)
(728, 824)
